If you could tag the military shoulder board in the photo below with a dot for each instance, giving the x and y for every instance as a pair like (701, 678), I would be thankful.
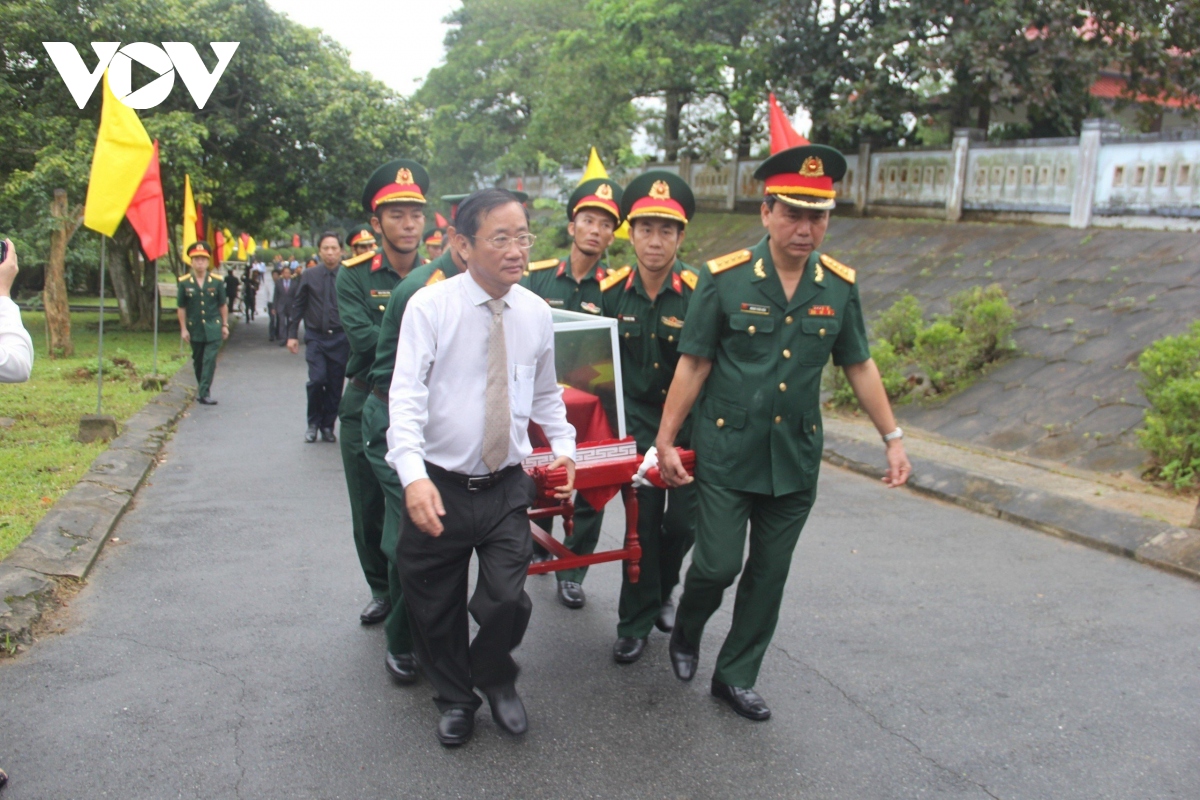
(436, 277)
(356, 260)
(838, 268)
(534, 266)
(728, 261)
(614, 277)
(689, 278)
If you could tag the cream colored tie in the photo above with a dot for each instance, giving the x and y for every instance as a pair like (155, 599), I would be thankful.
(497, 418)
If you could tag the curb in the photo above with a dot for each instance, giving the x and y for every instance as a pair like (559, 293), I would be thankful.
(67, 541)
(1148, 541)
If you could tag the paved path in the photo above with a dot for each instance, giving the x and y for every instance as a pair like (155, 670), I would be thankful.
(923, 652)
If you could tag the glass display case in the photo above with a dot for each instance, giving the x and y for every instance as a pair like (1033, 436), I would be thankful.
(587, 361)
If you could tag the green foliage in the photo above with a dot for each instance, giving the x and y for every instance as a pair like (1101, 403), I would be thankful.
(940, 350)
(986, 319)
(1171, 380)
(900, 323)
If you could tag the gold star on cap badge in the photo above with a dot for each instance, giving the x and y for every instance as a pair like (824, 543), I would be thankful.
(404, 176)
(604, 191)
(812, 168)
(660, 191)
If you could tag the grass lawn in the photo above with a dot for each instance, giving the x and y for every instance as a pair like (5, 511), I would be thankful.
(39, 457)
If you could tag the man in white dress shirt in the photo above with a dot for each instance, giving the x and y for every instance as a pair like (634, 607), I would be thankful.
(16, 348)
(475, 364)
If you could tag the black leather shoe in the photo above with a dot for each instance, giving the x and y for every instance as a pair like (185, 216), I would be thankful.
(455, 727)
(666, 617)
(402, 668)
(376, 611)
(628, 649)
(327, 435)
(507, 709)
(571, 594)
(206, 401)
(310, 435)
(745, 702)
(684, 657)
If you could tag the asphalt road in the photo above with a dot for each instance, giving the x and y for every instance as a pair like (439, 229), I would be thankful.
(923, 651)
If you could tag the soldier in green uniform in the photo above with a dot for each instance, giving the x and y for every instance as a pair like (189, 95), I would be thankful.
(573, 284)
(650, 304)
(361, 239)
(761, 326)
(203, 317)
(394, 196)
(400, 662)
(435, 242)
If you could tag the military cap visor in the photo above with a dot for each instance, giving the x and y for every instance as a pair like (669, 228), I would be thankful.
(198, 249)
(435, 237)
(804, 176)
(399, 181)
(600, 193)
(658, 194)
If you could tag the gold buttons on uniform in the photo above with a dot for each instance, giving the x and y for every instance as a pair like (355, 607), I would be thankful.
(814, 428)
(787, 353)
(821, 333)
(656, 365)
(752, 330)
(783, 387)
(778, 420)
(720, 423)
(626, 334)
(787, 320)
(381, 308)
(664, 391)
(670, 338)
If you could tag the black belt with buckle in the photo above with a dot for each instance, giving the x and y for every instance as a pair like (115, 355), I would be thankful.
(472, 483)
(360, 384)
(380, 393)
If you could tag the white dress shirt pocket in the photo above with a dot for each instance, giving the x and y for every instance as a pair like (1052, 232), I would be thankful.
(522, 390)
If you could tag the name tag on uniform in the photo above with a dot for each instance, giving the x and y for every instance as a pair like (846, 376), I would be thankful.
(672, 322)
(591, 308)
(554, 302)
(626, 318)
(381, 293)
(751, 308)
(821, 311)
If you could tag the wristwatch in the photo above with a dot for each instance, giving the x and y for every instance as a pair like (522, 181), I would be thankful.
(896, 434)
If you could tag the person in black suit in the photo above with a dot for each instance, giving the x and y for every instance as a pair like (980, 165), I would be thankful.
(285, 293)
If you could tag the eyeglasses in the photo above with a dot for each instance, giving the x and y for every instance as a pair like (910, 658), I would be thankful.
(524, 241)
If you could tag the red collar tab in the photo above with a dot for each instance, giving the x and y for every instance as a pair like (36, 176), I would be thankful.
(600, 274)
(377, 262)
(676, 283)
(562, 269)
(629, 282)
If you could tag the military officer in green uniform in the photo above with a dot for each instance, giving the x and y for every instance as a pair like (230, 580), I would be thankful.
(573, 284)
(400, 662)
(203, 317)
(650, 304)
(361, 239)
(394, 196)
(761, 326)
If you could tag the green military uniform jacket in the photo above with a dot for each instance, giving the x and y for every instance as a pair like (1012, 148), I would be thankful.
(758, 427)
(649, 332)
(384, 363)
(202, 305)
(553, 281)
(364, 285)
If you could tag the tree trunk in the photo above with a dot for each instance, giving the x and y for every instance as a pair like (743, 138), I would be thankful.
(58, 311)
(985, 115)
(671, 123)
(127, 270)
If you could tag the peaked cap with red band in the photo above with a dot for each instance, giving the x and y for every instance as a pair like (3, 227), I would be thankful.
(435, 237)
(658, 194)
(362, 234)
(399, 181)
(198, 249)
(803, 176)
(600, 193)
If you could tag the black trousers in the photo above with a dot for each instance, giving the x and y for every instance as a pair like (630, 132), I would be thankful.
(326, 357)
(433, 574)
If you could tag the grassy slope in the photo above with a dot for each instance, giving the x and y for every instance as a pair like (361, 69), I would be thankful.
(39, 458)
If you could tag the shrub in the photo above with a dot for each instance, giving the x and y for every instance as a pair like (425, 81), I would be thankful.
(1171, 371)
(900, 324)
(986, 320)
(941, 351)
(891, 370)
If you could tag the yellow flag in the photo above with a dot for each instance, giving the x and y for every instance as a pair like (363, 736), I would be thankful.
(189, 218)
(595, 169)
(241, 249)
(266, 245)
(123, 151)
(251, 246)
(229, 245)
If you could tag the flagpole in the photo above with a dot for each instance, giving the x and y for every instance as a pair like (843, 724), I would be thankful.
(155, 367)
(100, 349)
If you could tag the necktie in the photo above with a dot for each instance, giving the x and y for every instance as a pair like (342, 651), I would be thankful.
(497, 419)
